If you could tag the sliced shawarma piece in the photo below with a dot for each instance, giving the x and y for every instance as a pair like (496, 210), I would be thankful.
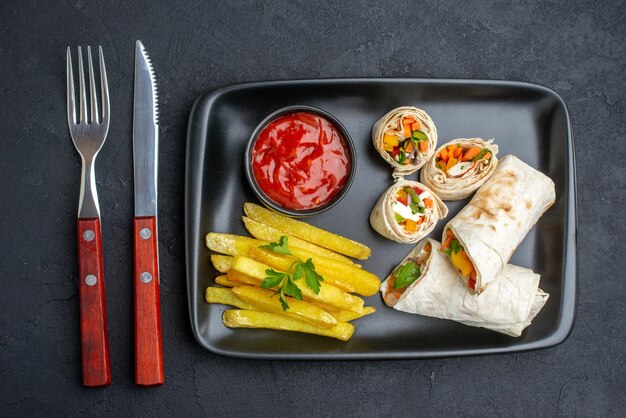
(508, 305)
(482, 237)
(406, 137)
(407, 212)
(460, 167)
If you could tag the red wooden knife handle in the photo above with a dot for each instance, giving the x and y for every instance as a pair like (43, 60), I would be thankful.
(148, 335)
(94, 336)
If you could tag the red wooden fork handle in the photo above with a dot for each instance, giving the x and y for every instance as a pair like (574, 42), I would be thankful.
(94, 338)
(148, 345)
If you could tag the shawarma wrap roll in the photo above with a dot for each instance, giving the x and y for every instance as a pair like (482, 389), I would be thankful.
(481, 238)
(406, 137)
(407, 212)
(460, 167)
(508, 305)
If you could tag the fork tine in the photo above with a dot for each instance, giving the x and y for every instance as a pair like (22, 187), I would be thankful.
(104, 87)
(71, 100)
(93, 96)
(81, 85)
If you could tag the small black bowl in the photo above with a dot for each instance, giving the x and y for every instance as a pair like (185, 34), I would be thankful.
(274, 205)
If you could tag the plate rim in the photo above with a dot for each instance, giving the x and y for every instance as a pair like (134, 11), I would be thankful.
(194, 158)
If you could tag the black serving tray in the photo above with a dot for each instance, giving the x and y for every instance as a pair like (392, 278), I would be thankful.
(526, 120)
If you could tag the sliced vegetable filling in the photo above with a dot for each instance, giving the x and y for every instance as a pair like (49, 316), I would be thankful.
(405, 143)
(459, 258)
(412, 207)
(456, 159)
(405, 275)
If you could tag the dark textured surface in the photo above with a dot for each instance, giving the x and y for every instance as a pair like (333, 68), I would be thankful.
(574, 47)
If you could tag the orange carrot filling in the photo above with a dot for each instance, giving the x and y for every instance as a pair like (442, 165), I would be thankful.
(407, 142)
(453, 154)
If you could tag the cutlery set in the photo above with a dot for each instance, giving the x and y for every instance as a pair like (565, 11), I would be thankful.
(88, 135)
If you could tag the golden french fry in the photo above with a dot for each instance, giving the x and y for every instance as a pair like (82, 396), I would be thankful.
(267, 301)
(255, 319)
(307, 232)
(283, 262)
(231, 244)
(347, 316)
(223, 281)
(225, 297)
(221, 263)
(267, 233)
(244, 268)
(328, 308)
(236, 276)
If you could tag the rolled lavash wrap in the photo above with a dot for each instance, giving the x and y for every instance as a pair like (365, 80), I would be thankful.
(507, 306)
(481, 238)
(406, 137)
(460, 167)
(407, 212)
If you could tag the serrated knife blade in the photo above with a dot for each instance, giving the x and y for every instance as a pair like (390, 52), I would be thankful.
(148, 336)
(145, 134)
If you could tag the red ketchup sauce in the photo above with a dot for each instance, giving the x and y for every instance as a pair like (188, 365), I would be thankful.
(300, 161)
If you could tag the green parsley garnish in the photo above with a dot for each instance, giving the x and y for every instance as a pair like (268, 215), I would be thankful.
(285, 281)
(406, 274)
(455, 246)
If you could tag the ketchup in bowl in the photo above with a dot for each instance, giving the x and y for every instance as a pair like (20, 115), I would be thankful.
(300, 161)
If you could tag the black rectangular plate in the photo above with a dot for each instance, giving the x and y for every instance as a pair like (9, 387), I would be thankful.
(526, 120)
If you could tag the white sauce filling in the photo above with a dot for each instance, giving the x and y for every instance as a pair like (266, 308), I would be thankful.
(406, 212)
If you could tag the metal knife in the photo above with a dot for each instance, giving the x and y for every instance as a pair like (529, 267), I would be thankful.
(148, 335)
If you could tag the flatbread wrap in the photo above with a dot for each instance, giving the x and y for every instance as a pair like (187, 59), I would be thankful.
(425, 283)
(406, 137)
(481, 238)
(407, 212)
(460, 167)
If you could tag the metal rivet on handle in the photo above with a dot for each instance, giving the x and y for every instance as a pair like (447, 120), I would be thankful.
(146, 277)
(89, 235)
(90, 280)
(145, 233)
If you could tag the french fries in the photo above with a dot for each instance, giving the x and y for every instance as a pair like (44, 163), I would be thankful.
(255, 299)
(267, 233)
(347, 316)
(223, 280)
(226, 297)
(294, 254)
(328, 308)
(344, 276)
(307, 232)
(249, 271)
(242, 278)
(283, 263)
(263, 300)
(255, 319)
(221, 263)
(230, 244)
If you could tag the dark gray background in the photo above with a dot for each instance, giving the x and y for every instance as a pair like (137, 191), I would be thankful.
(573, 47)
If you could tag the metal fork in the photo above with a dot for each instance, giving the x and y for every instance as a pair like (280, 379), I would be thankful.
(88, 135)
